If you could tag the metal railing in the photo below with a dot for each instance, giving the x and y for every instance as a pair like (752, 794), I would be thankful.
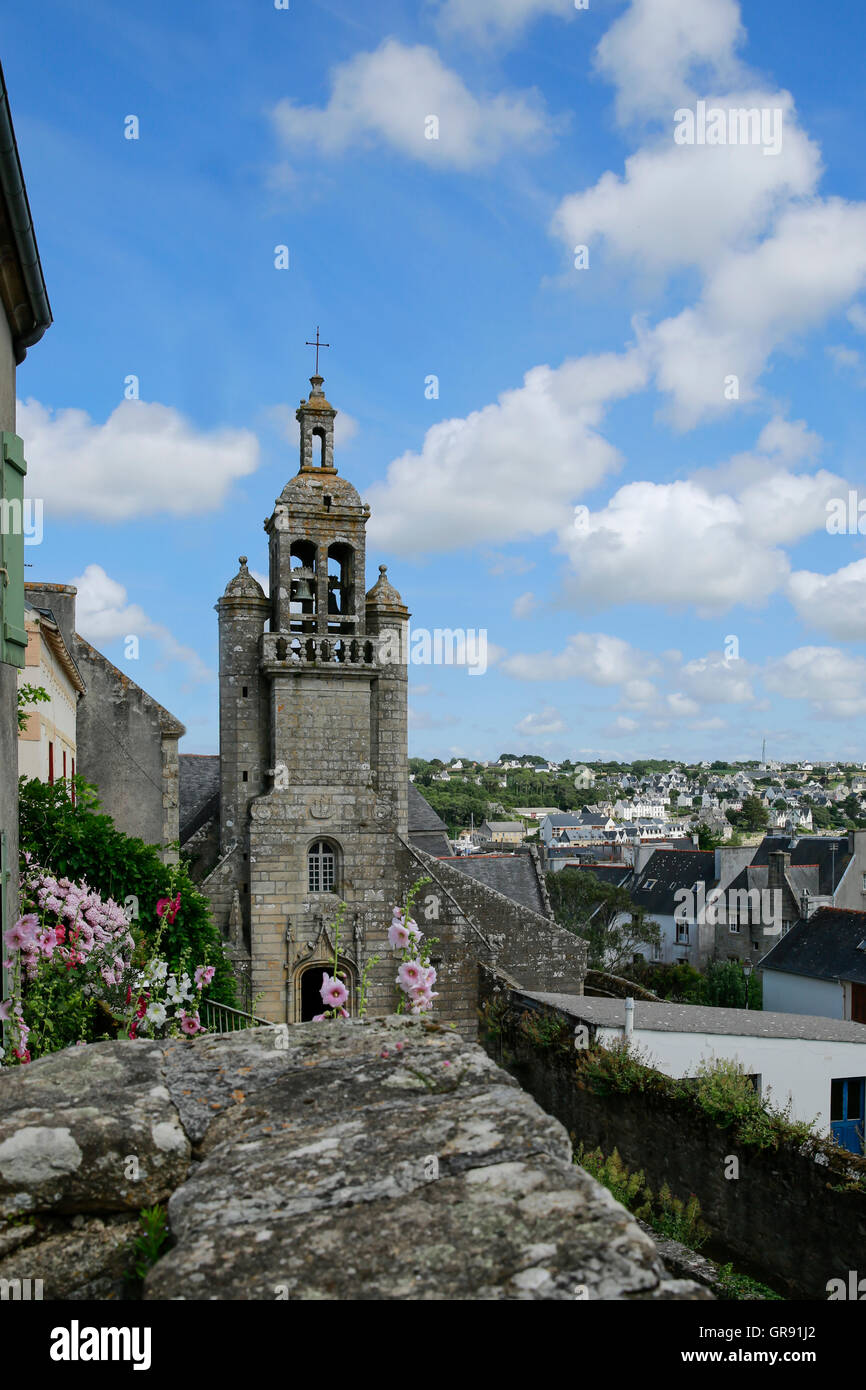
(221, 1018)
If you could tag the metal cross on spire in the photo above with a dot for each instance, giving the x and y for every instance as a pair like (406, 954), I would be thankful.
(317, 344)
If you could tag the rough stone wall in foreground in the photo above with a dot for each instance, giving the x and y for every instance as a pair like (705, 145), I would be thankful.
(336, 1161)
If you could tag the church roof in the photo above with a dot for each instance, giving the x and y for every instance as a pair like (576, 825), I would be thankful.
(311, 485)
(244, 585)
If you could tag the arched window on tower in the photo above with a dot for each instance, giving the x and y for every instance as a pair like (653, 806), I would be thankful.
(341, 589)
(302, 599)
(318, 443)
(321, 867)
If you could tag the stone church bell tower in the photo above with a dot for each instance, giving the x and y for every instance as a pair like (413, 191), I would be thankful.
(313, 740)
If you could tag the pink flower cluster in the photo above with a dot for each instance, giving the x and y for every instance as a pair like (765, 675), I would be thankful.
(415, 976)
(75, 924)
(334, 994)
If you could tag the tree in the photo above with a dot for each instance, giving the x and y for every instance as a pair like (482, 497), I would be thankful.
(726, 986)
(603, 915)
(707, 840)
(754, 815)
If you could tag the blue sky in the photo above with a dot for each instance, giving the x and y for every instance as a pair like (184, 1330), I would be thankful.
(698, 602)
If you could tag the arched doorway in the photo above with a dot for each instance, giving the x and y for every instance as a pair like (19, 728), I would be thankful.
(311, 999)
(308, 985)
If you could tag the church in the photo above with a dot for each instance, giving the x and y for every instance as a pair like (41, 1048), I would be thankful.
(309, 803)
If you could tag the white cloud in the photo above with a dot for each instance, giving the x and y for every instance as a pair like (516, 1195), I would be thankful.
(590, 656)
(670, 543)
(845, 358)
(652, 50)
(755, 301)
(683, 205)
(388, 95)
(104, 614)
(485, 20)
(546, 721)
(525, 605)
(146, 460)
(832, 680)
(832, 603)
(508, 470)
(716, 679)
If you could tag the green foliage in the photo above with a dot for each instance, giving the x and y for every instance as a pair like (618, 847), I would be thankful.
(30, 695)
(76, 842)
(604, 915)
(621, 1067)
(669, 1215)
(727, 987)
(57, 1010)
(457, 802)
(678, 1220)
(723, 1090)
(682, 984)
(612, 1173)
(739, 1286)
(544, 1030)
(154, 1234)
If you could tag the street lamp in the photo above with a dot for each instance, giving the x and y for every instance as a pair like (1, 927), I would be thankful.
(747, 971)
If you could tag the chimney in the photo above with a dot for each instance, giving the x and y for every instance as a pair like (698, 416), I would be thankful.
(779, 865)
(60, 598)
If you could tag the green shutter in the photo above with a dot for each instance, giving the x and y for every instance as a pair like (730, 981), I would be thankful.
(13, 637)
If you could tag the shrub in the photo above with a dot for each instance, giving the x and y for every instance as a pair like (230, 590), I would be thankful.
(78, 843)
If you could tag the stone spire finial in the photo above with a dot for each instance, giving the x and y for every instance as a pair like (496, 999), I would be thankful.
(383, 593)
(244, 585)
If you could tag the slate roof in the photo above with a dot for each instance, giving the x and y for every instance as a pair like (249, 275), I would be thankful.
(665, 1017)
(665, 871)
(513, 875)
(823, 947)
(810, 849)
(427, 830)
(198, 785)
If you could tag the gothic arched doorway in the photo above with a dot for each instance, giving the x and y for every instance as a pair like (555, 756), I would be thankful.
(308, 985)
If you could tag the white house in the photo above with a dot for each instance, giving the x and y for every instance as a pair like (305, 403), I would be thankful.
(818, 1064)
(819, 966)
(47, 743)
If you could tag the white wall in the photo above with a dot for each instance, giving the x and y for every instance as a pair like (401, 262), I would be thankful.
(789, 1067)
(798, 994)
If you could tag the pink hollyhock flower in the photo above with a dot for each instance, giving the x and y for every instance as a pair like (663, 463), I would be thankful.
(189, 1023)
(20, 935)
(399, 1047)
(5, 1010)
(204, 974)
(410, 975)
(385, 1052)
(422, 994)
(60, 934)
(168, 907)
(430, 976)
(319, 1018)
(413, 929)
(398, 936)
(333, 992)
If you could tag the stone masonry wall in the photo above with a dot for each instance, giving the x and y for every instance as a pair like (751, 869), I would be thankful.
(340, 1161)
(783, 1220)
